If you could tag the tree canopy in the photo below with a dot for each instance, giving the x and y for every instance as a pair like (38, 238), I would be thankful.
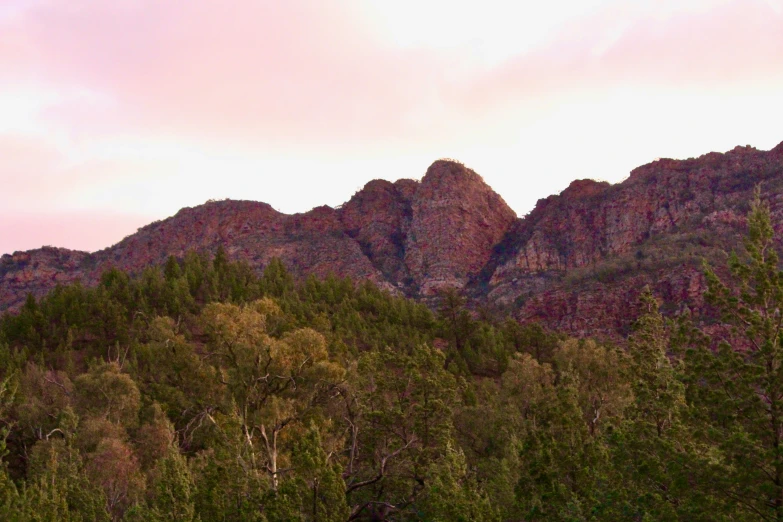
(201, 390)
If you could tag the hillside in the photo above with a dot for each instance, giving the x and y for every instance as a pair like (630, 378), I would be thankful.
(205, 389)
(572, 264)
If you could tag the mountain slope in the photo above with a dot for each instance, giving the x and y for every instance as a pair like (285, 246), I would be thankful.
(582, 256)
(407, 236)
(574, 263)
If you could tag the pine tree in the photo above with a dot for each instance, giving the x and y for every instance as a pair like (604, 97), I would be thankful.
(649, 447)
(737, 385)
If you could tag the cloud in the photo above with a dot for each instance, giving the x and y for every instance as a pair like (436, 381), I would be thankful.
(25, 170)
(269, 70)
(776, 5)
(37, 176)
(738, 42)
(310, 72)
(733, 43)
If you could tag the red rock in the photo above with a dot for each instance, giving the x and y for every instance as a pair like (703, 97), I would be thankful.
(456, 221)
(574, 263)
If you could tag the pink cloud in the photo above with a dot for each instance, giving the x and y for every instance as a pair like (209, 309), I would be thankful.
(312, 72)
(737, 43)
(26, 166)
(275, 70)
(36, 176)
(23, 153)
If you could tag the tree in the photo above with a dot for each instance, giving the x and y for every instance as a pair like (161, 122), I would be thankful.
(598, 374)
(560, 464)
(276, 281)
(114, 467)
(108, 393)
(652, 448)
(737, 386)
(59, 483)
(660, 396)
(452, 493)
(457, 326)
(321, 489)
(170, 492)
(7, 395)
(404, 428)
(171, 373)
(44, 394)
(273, 384)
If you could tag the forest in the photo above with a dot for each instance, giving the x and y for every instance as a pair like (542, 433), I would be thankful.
(200, 390)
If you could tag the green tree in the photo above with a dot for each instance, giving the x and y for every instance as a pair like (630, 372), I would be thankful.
(58, 480)
(457, 327)
(106, 392)
(273, 384)
(404, 427)
(170, 495)
(598, 374)
(560, 464)
(737, 386)
(452, 492)
(652, 448)
(276, 281)
(321, 489)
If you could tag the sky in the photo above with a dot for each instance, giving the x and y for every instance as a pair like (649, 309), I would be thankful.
(117, 113)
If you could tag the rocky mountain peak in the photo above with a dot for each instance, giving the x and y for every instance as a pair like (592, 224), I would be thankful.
(406, 187)
(579, 261)
(573, 263)
(456, 221)
(582, 188)
(377, 217)
(445, 172)
(740, 150)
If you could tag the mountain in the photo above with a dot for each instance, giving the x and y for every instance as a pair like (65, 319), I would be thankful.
(574, 263)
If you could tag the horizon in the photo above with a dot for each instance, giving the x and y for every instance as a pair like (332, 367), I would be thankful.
(118, 115)
(65, 226)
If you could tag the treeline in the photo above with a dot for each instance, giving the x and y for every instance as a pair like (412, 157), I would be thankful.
(201, 391)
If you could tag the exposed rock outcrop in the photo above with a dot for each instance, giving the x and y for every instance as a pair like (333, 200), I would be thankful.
(457, 220)
(581, 256)
(574, 263)
(38, 271)
(378, 218)
(405, 236)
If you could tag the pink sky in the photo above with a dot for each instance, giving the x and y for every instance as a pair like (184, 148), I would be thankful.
(113, 114)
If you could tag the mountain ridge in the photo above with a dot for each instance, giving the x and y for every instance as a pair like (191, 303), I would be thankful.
(570, 263)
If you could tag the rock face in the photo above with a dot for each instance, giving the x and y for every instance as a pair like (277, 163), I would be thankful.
(426, 236)
(38, 271)
(377, 218)
(451, 236)
(574, 263)
(406, 236)
(580, 257)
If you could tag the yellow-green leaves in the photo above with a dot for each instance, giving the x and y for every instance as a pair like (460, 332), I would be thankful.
(106, 392)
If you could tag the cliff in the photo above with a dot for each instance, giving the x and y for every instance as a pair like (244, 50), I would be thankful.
(579, 258)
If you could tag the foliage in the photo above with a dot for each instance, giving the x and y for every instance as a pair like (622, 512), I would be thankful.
(203, 391)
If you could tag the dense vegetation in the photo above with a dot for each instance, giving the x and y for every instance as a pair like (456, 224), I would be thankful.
(200, 391)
